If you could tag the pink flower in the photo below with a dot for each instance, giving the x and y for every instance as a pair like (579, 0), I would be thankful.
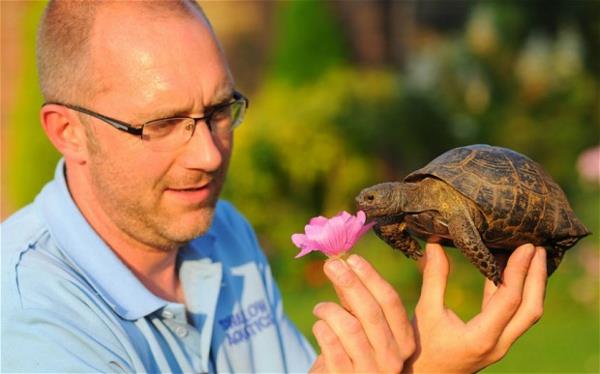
(332, 236)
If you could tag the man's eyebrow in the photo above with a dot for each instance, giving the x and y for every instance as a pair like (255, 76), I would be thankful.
(163, 113)
(220, 98)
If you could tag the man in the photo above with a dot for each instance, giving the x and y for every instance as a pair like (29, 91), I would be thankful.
(127, 261)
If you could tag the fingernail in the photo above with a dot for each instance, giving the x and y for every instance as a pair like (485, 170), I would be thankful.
(317, 307)
(356, 263)
(540, 252)
(336, 267)
(529, 251)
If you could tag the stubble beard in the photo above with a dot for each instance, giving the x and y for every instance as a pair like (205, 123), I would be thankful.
(175, 233)
(144, 218)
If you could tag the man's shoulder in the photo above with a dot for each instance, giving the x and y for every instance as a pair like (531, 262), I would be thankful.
(49, 310)
(41, 286)
(37, 275)
(21, 232)
(21, 228)
(32, 264)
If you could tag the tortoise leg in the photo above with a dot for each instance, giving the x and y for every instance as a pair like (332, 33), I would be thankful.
(395, 235)
(467, 239)
(553, 258)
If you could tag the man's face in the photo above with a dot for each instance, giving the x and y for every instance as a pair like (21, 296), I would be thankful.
(150, 69)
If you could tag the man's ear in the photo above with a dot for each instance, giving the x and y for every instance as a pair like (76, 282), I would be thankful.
(65, 131)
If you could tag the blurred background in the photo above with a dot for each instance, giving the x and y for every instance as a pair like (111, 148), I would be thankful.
(351, 93)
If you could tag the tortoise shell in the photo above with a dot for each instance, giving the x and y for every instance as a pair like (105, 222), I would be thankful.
(513, 192)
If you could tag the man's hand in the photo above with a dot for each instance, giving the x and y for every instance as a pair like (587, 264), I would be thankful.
(447, 344)
(371, 332)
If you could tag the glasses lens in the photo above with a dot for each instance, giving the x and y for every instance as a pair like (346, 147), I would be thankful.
(224, 119)
(167, 134)
(238, 109)
(170, 133)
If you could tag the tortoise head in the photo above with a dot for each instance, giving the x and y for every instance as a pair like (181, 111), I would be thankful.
(382, 199)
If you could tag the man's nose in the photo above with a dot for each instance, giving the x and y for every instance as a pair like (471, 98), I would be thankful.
(202, 151)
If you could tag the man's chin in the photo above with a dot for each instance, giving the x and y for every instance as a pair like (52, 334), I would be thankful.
(189, 225)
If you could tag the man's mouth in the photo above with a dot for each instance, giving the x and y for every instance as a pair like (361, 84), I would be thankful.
(191, 194)
(188, 188)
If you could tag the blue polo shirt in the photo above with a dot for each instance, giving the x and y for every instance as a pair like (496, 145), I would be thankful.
(70, 305)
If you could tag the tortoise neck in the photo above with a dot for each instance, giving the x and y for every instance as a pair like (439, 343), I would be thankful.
(410, 195)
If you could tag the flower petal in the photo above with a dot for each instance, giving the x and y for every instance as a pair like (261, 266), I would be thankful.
(366, 228)
(318, 235)
(334, 240)
(354, 226)
(361, 217)
(300, 240)
(303, 252)
(331, 236)
(313, 232)
(304, 243)
(318, 221)
(345, 216)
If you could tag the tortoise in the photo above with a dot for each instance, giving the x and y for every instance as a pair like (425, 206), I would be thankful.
(482, 199)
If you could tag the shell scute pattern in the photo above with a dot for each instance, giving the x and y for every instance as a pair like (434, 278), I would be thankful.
(504, 201)
(535, 208)
(485, 198)
(517, 213)
(490, 171)
(530, 175)
(498, 180)
(468, 184)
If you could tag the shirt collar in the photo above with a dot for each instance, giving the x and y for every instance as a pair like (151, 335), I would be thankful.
(98, 264)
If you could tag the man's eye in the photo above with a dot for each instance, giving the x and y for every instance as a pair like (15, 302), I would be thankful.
(222, 114)
(163, 128)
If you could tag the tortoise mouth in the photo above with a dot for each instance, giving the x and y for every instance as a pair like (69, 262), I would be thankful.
(384, 219)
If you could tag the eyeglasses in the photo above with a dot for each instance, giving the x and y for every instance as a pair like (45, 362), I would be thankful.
(167, 134)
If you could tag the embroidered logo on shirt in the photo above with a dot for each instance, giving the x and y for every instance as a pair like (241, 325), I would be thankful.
(246, 323)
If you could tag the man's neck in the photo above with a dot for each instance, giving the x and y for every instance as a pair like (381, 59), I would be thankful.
(155, 268)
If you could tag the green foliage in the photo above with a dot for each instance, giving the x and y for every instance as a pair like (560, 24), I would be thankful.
(301, 54)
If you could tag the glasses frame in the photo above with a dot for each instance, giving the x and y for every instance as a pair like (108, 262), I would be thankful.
(139, 130)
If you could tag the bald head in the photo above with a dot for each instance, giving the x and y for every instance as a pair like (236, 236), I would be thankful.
(64, 56)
